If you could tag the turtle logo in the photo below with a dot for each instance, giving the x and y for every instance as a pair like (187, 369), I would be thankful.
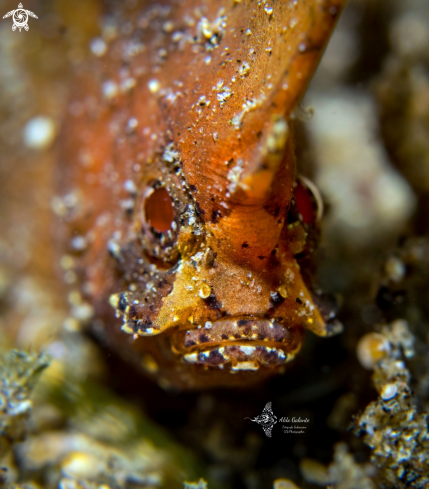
(267, 419)
(20, 18)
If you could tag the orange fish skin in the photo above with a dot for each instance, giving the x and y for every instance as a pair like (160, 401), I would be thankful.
(194, 98)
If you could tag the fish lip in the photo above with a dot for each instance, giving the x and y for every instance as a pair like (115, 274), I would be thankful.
(243, 332)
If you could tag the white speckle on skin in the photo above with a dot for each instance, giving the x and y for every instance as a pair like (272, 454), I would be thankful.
(191, 357)
(39, 132)
(79, 243)
(109, 89)
(389, 391)
(244, 69)
(128, 84)
(168, 26)
(154, 86)
(247, 350)
(98, 47)
(130, 187)
(245, 366)
(132, 123)
(114, 248)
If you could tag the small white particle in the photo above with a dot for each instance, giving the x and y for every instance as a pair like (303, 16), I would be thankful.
(389, 391)
(244, 69)
(247, 350)
(39, 132)
(168, 26)
(130, 187)
(191, 357)
(78, 243)
(128, 84)
(176, 36)
(245, 366)
(109, 89)
(154, 86)
(98, 47)
(132, 123)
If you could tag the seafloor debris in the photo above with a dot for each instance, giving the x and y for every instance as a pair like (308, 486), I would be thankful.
(79, 434)
(284, 484)
(345, 473)
(84, 437)
(19, 373)
(201, 484)
(392, 426)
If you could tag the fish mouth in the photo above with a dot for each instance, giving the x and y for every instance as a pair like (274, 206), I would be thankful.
(239, 344)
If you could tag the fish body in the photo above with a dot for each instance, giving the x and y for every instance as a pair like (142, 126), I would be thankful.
(176, 179)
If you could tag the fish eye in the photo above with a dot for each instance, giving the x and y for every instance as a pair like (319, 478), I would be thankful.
(158, 210)
(308, 200)
(159, 219)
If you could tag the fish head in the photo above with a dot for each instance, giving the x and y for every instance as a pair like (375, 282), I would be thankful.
(177, 177)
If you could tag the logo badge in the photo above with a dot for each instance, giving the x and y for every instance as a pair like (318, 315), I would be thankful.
(267, 419)
(20, 18)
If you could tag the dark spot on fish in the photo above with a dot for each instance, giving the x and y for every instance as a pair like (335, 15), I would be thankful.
(122, 303)
(278, 335)
(199, 212)
(142, 327)
(224, 336)
(161, 283)
(298, 300)
(245, 245)
(276, 297)
(204, 338)
(216, 215)
(212, 302)
(261, 257)
(243, 322)
(132, 311)
(215, 358)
